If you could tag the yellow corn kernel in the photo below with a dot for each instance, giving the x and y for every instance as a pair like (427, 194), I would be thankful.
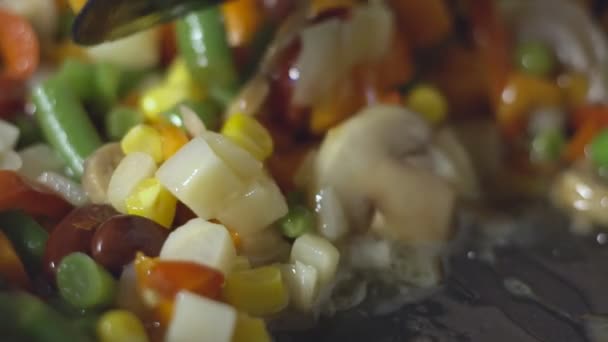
(163, 97)
(172, 138)
(249, 134)
(77, 5)
(429, 102)
(143, 138)
(260, 291)
(151, 200)
(178, 73)
(249, 329)
(120, 326)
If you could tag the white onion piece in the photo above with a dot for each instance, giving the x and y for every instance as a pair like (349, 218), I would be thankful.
(332, 47)
(192, 122)
(562, 24)
(10, 160)
(319, 64)
(38, 159)
(9, 134)
(137, 51)
(64, 187)
(331, 218)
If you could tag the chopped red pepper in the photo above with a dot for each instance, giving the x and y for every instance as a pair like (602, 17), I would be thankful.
(18, 194)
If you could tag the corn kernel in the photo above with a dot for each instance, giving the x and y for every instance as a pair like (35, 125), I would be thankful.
(259, 291)
(76, 5)
(429, 102)
(120, 326)
(163, 97)
(172, 138)
(249, 329)
(143, 138)
(151, 200)
(178, 73)
(249, 134)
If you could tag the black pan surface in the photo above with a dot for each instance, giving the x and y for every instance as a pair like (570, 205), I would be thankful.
(564, 277)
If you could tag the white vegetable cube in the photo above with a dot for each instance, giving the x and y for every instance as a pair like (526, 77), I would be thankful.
(202, 242)
(317, 252)
(132, 169)
(243, 163)
(199, 178)
(261, 205)
(137, 51)
(10, 160)
(196, 318)
(9, 134)
(303, 283)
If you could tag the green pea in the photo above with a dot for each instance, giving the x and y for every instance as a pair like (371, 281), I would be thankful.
(599, 149)
(120, 120)
(83, 283)
(24, 317)
(298, 221)
(547, 145)
(535, 58)
(27, 236)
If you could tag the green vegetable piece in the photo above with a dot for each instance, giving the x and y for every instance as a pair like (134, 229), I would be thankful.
(120, 120)
(27, 236)
(201, 40)
(208, 111)
(107, 85)
(83, 283)
(296, 197)
(79, 77)
(24, 317)
(535, 58)
(547, 146)
(29, 132)
(65, 123)
(298, 221)
(599, 149)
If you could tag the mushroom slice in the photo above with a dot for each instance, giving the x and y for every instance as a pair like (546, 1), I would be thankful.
(379, 161)
(582, 193)
(98, 169)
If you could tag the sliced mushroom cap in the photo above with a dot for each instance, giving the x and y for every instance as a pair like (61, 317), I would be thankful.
(98, 169)
(582, 193)
(383, 161)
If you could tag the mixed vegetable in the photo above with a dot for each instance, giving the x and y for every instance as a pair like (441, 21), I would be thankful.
(201, 179)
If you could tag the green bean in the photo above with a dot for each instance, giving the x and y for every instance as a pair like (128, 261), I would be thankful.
(29, 132)
(83, 283)
(27, 236)
(65, 124)
(201, 39)
(298, 221)
(107, 78)
(79, 77)
(599, 149)
(26, 318)
(120, 120)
